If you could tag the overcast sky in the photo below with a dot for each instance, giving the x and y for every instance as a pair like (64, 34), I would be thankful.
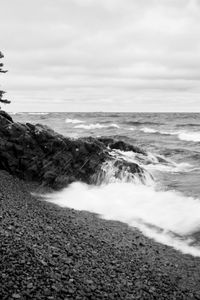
(101, 55)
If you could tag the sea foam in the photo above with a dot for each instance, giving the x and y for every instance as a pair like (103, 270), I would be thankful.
(73, 121)
(148, 130)
(153, 162)
(96, 126)
(182, 135)
(189, 136)
(38, 113)
(166, 216)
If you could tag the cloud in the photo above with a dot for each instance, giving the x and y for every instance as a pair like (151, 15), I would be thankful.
(119, 50)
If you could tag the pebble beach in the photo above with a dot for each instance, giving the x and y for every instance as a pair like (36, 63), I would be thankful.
(48, 252)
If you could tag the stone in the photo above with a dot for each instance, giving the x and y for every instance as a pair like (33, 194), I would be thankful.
(37, 153)
(16, 296)
(6, 116)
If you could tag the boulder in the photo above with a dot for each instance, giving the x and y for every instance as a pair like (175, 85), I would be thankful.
(121, 145)
(6, 116)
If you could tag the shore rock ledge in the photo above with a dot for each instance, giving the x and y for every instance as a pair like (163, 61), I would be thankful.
(37, 153)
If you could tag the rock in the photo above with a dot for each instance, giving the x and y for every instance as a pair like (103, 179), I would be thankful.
(30, 285)
(6, 116)
(120, 145)
(37, 153)
(16, 296)
(61, 181)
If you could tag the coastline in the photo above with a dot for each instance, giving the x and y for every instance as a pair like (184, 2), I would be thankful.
(49, 252)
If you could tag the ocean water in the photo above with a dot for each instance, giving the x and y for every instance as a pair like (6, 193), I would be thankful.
(166, 206)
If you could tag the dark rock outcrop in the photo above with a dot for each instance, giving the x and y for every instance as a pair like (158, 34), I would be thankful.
(121, 145)
(37, 153)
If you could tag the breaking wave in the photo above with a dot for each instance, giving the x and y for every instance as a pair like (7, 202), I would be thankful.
(152, 162)
(167, 217)
(38, 113)
(189, 136)
(182, 135)
(73, 121)
(117, 171)
(96, 126)
(148, 130)
(131, 128)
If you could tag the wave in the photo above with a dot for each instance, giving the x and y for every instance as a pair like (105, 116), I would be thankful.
(152, 130)
(166, 216)
(117, 170)
(74, 121)
(14, 113)
(152, 162)
(194, 155)
(189, 136)
(143, 123)
(148, 130)
(97, 126)
(113, 115)
(131, 128)
(38, 113)
(182, 135)
(188, 125)
(18, 113)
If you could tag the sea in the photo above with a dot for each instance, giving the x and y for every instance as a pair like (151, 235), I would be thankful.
(166, 205)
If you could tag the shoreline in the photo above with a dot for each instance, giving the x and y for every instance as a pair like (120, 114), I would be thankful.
(50, 252)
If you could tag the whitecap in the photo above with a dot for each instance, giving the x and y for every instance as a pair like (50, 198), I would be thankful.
(189, 136)
(131, 128)
(148, 130)
(38, 113)
(153, 162)
(96, 126)
(182, 135)
(74, 121)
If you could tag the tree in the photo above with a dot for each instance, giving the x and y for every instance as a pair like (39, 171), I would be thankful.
(5, 101)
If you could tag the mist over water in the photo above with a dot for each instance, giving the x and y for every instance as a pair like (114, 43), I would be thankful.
(165, 205)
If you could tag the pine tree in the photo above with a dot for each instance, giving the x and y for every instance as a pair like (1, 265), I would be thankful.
(2, 92)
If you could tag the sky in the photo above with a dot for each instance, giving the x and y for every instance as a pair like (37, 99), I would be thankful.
(101, 55)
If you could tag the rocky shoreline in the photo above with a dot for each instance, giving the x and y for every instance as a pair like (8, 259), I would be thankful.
(37, 153)
(49, 252)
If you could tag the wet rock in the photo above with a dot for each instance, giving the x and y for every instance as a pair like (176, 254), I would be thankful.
(6, 116)
(16, 296)
(120, 145)
(37, 153)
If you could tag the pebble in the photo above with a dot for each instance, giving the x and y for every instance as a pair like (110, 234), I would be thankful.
(16, 296)
(95, 258)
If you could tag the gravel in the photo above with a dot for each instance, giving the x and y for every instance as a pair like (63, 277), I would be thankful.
(48, 252)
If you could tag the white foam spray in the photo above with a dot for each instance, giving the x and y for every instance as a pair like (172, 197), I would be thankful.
(38, 113)
(74, 121)
(166, 216)
(131, 128)
(96, 126)
(148, 130)
(112, 173)
(189, 136)
(153, 162)
(182, 135)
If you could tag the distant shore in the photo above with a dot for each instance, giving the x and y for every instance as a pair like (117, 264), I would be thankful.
(52, 253)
